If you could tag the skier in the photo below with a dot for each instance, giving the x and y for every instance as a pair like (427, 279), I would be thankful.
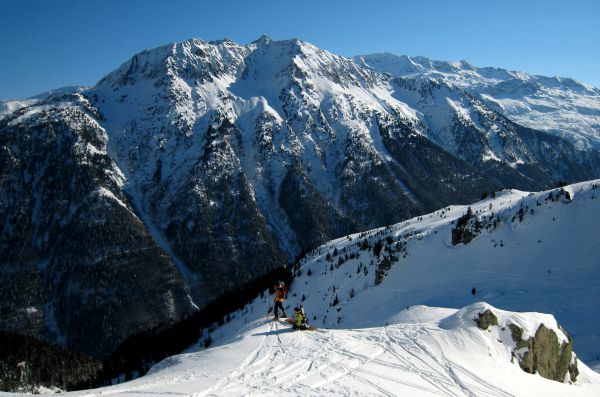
(280, 292)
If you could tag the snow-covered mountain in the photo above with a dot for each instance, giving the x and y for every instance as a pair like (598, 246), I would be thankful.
(519, 251)
(213, 162)
(10, 106)
(561, 106)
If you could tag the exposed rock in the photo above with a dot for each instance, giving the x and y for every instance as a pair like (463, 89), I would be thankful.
(486, 319)
(543, 354)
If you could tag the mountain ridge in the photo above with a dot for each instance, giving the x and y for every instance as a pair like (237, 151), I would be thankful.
(227, 161)
(560, 105)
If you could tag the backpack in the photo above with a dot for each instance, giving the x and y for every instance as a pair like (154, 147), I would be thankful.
(304, 318)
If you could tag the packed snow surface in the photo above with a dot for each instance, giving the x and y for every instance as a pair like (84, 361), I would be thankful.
(425, 351)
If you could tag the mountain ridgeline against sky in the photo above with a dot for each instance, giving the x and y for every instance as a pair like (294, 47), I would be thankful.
(195, 167)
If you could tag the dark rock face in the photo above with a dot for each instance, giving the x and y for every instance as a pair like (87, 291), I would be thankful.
(544, 355)
(486, 319)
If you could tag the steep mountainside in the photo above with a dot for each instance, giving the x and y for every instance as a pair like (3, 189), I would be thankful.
(71, 246)
(196, 166)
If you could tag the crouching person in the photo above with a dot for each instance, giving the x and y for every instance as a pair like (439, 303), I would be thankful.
(300, 321)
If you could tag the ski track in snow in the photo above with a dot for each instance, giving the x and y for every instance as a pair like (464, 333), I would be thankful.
(271, 359)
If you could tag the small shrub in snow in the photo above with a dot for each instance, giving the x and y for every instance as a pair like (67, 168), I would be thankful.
(335, 300)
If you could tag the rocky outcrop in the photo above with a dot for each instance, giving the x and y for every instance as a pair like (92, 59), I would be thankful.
(543, 354)
(486, 319)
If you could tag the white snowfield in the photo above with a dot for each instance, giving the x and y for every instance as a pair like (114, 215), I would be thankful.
(372, 341)
(425, 352)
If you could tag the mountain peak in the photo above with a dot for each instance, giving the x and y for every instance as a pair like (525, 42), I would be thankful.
(262, 40)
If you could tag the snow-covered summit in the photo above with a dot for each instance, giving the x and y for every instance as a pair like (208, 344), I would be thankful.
(562, 106)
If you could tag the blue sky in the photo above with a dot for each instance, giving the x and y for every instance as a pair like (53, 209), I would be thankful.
(50, 44)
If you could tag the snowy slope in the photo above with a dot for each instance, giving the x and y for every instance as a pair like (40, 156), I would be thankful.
(561, 106)
(379, 339)
(424, 352)
(547, 263)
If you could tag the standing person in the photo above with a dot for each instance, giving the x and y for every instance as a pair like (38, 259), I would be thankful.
(280, 292)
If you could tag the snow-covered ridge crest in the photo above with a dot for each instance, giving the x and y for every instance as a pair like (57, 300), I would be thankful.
(417, 355)
(10, 106)
(562, 106)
